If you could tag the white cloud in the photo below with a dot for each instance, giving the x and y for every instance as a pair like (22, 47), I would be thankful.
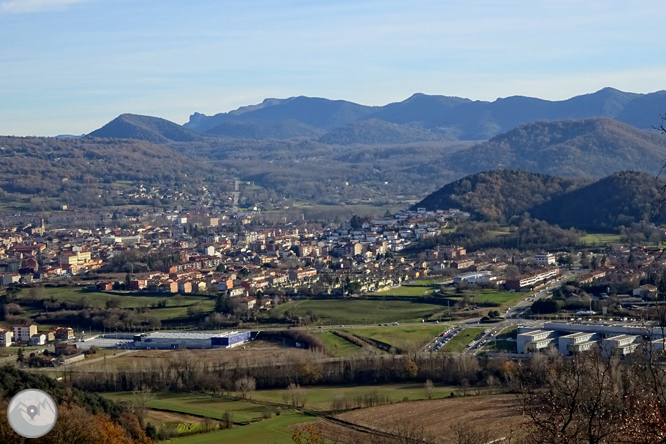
(26, 6)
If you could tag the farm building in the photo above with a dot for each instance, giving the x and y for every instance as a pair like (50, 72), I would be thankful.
(175, 340)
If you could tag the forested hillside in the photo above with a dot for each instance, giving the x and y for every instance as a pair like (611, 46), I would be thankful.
(83, 417)
(622, 199)
(85, 171)
(575, 148)
(499, 195)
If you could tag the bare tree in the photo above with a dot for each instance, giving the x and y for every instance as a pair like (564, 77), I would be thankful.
(429, 388)
(296, 395)
(245, 385)
(464, 434)
(141, 399)
(580, 401)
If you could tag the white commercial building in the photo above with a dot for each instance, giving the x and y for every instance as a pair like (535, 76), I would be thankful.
(196, 340)
(621, 344)
(572, 337)
(576, 342)
(472, 277)
(536, 340)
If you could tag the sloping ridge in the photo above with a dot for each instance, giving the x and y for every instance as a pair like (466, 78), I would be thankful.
(313, 111)
(573, 148)
(150, 129)
(375, 132)
(261, 129)
(621, 199)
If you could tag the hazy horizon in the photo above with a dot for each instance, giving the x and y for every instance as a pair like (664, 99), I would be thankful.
(70, 66)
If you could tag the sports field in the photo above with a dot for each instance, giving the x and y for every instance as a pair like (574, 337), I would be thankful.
(600, 239)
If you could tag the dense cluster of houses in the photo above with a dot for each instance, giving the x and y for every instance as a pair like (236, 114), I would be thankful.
(210, 257)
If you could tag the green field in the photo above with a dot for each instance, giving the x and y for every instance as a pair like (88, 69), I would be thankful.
(198, 405)
(460, 341)
(99, 299)
(340, 347)
(405, 290)
(276, 430)
(402, 336)
(321, 398)
(600, 239)
(130, 300)
(485, 296)
(361, 311)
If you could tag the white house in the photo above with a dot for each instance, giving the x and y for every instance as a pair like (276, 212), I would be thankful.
(38, 339)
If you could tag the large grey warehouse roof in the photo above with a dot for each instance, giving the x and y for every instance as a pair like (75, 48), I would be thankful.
(194, 335)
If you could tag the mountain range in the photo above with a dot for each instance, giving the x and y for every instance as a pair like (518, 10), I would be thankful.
(333, 151)
(429, 117)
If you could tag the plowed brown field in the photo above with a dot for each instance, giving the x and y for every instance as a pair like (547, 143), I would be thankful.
(498, 414)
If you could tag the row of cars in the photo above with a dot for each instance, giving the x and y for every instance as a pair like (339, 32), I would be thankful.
(441, 340)
(481, 340)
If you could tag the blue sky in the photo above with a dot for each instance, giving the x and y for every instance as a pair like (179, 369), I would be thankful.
(70, 66)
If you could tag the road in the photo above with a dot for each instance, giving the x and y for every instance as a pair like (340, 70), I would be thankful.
(513, 315)
(74, 365)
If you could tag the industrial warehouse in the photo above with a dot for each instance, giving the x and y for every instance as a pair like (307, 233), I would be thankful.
(192, 340)
(571, 338)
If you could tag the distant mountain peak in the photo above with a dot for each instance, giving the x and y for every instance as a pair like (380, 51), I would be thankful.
(150, 129)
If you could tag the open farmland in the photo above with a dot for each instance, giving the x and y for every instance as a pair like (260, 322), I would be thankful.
(255, 353)
(158, 418)
(362, 311)
(497, 414)
(321, 398)
(402, 337)
(489, 297)
(340, 347)
(276, 430)
(198, 405)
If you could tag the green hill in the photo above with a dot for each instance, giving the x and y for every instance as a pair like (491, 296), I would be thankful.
(499, 195)
(621, 199)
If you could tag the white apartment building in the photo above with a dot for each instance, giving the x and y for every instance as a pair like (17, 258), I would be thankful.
(6, 337)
